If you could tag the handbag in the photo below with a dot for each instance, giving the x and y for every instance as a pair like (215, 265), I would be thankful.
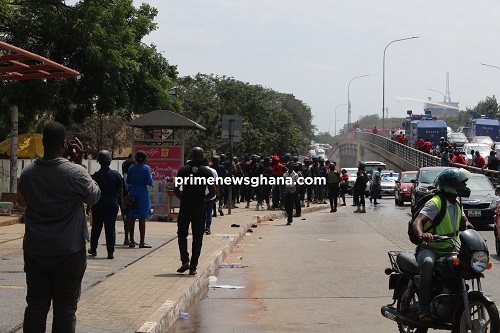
(129, 201)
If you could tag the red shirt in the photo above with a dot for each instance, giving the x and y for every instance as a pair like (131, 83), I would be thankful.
(459, 159)
(420, 143)
(479, 162)
(427, 146)
(278, 169)
(345, 176)
(403, 140)
(398, 137)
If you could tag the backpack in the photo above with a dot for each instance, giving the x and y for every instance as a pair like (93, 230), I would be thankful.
(416, 210)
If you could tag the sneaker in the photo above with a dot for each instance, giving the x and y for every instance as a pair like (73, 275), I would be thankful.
(343, 204)
(214, 215)
(126, 242)
(92, 252)
(221, 213)
(110, 255)
(288, 223)
(207, 231)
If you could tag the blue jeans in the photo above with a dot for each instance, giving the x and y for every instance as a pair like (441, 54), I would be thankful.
(426, 259)
(55, 279)
(208, 219)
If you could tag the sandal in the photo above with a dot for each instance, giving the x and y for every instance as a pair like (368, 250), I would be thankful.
(132, 244)
(144, 246)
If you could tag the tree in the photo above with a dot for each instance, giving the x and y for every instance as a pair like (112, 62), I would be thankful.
(273, 122)
(102, 40)
(487, 106)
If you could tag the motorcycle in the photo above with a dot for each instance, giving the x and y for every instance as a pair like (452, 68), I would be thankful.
(458, 302)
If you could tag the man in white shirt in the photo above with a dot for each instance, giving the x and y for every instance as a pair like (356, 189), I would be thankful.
(291, 190)
(210, 203)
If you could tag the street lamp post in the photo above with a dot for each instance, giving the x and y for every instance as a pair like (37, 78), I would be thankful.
(490, 66)
(438, 92)
(444, 99)
(348, 100)
(335, 121)
(383, 79)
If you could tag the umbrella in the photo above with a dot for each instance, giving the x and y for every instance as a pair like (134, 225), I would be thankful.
(29, 145)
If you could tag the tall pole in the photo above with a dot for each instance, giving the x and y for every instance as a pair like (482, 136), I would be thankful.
(231, 141)
(336, 117)
(348, 99)
(444, 97)
(383, 79)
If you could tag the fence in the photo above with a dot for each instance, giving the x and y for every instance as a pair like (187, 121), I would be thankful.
(415, 157)
(91, 165)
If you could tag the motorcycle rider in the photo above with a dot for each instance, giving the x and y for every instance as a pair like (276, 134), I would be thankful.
(451, 184)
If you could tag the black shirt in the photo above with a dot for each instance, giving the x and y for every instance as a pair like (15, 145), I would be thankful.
(193, 193)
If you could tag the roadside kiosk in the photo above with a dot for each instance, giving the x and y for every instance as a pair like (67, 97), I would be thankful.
(161, 134)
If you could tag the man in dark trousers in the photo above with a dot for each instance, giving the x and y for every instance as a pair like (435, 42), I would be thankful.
(55, 190)
(105, 211)
(192, 208)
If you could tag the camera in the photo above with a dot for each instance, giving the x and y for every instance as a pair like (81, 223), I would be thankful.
(70, 150)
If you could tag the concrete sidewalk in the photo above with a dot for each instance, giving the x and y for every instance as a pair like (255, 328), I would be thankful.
(147, 294)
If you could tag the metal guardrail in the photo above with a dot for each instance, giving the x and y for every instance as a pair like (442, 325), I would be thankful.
(413, 156)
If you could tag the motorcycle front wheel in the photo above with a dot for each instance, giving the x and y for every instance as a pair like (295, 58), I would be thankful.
(483, 314)
(408, 306)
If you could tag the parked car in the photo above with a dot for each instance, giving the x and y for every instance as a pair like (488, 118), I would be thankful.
(370, 166)
(387, 186)
(457, 138)
(402, 192)
(425, 177)
(482, 139)
(484, 151)
(352, 178)
(482, 204)
(464, 130)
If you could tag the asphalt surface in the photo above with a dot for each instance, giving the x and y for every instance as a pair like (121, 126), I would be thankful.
(324, 273)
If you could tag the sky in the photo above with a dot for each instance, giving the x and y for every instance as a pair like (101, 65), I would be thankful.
(314, 48)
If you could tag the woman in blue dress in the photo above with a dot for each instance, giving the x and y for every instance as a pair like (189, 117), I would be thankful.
(139, 178)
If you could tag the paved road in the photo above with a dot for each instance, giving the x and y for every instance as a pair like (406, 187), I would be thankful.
(322, 274)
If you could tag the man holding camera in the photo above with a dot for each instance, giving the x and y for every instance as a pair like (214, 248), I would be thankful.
(55, 189)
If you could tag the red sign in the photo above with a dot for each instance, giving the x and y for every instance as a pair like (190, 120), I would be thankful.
(163, 169)
(160, 151)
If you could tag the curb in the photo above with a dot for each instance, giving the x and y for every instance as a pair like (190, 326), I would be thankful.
(167, 314)
(10, 220)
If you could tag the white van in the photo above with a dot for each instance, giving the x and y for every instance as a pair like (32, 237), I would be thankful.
(370, 166)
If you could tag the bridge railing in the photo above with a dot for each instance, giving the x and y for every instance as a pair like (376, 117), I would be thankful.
(415, 157)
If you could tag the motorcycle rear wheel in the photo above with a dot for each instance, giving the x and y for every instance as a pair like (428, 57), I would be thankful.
(408, 305)
(484, 316)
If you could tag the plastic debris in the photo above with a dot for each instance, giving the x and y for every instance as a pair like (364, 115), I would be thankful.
(212, 280)
(233, 265)
(240, 246)
(234, 225)
(249, 230)
(225, 237)
(227, 286)
(184, 315)
(254, 225)
(240, 257)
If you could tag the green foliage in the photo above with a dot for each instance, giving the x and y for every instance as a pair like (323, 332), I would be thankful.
(273, 122)
(488, 105)
(102, 39)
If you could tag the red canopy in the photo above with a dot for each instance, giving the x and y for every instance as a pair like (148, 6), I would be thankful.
(19, 64)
